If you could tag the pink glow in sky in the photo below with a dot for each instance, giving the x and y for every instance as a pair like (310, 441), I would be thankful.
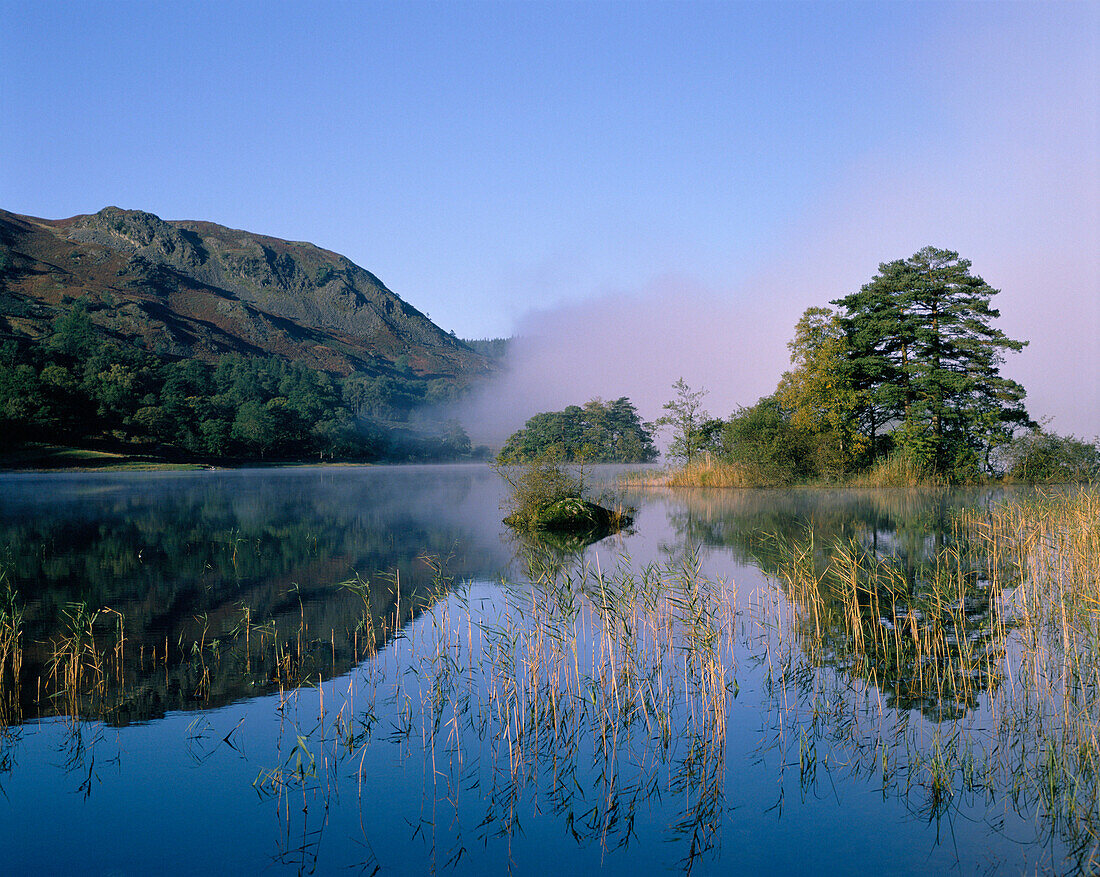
(644, 190)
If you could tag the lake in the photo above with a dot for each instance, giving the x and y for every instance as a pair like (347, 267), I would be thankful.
(361, 669)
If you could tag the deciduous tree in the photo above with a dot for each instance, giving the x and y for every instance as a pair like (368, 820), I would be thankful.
(817, 393)
(606, 432)
(686, 419)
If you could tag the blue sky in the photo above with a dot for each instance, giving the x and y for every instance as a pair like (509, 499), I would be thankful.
(506, 166)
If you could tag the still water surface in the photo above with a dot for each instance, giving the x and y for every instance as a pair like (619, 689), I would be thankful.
(196, 750)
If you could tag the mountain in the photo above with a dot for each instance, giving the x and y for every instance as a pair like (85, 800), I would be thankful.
(197, 289)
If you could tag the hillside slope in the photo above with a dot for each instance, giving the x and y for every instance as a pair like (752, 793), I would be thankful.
(197, 289)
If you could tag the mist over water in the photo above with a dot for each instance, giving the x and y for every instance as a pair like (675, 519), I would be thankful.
(1005, 173)
(637, 344)
(732, 339)
(283, 653)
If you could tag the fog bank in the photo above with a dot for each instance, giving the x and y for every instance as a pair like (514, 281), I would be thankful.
(636, 344)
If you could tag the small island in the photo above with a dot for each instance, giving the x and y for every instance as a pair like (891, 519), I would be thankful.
(548, 500)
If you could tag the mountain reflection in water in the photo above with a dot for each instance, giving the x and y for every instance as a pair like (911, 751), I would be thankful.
(224, 585)
(228, 584)
(737, 683)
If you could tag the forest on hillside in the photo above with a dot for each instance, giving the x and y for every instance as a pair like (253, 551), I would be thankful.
(78, 386)
(897, 383)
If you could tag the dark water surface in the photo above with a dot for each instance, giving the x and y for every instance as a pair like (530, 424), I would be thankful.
(243, 709)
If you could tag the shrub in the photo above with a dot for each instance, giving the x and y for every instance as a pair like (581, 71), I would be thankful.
(535, 487)
(1047, 457)
(767, 448)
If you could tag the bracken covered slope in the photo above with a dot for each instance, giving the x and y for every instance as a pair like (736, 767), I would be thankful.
(197, 289)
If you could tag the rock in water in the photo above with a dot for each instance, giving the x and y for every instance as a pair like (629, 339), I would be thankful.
(573, 515)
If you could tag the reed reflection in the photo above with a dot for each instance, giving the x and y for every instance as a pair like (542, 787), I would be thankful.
(133, 597)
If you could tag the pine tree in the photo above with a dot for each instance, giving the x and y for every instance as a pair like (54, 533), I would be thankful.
(923, 357)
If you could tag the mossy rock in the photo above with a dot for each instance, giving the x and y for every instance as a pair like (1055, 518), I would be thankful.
(573, 515)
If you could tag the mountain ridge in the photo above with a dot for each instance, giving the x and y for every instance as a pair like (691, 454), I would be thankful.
(194, 288)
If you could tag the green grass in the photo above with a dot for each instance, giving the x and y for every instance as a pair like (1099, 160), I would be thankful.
(49, 457)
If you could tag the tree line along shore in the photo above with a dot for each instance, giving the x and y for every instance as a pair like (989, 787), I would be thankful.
(898, 384)
(77, 397)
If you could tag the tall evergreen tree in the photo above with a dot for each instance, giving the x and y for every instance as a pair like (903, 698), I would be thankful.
(923, 356)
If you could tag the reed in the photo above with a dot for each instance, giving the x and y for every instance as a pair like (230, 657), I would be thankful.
(625, 672)
(596, 688)
(80, 667)
(11, 649)
(975, 673)
(896, 470)
(1003, 624)
(706, 472)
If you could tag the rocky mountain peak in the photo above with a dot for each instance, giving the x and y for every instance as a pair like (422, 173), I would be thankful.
(195, 288)
(136, 231)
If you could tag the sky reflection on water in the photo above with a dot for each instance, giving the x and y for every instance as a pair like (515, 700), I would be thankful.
(249, 773)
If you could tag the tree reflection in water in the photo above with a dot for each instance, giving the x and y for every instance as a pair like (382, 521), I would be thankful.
(884, 585)
(140, 596)
(899, 647)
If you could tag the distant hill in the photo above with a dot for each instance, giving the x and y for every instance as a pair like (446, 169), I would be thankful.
(189, 289)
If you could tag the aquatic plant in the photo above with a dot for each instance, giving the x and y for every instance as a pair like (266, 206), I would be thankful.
(593, 692)
(626, 673)
(82, 668)
(890, 673)
(11, 648)
(535, 487)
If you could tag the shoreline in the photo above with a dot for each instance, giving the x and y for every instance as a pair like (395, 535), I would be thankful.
(65, 458)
